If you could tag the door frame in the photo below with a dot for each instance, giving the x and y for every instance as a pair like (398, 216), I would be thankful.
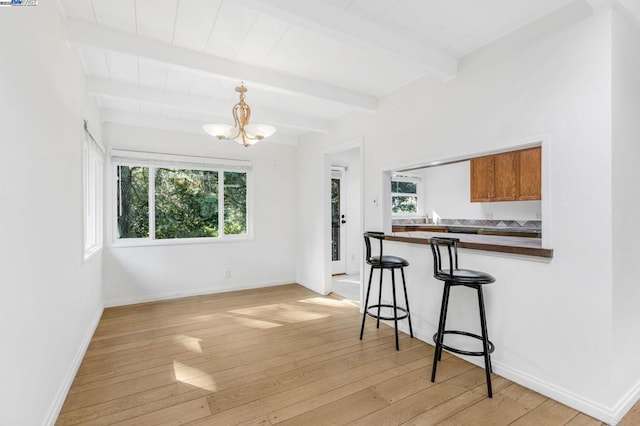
(326, 206)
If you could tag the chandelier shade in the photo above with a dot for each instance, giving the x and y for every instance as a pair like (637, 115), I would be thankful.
(242, 131)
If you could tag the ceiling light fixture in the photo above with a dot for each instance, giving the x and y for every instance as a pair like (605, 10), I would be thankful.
(242, 131)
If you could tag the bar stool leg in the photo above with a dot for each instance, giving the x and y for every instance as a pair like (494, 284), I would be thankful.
(366, 304)
(444, 318)
(440, 335)
(379, 298)
(395, 311)
(406, 300)
(485, 342)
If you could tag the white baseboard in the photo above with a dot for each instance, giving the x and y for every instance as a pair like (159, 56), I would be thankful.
(193, 292)
(61, 395)
(626, 402)
(567, 397)
(608, 415)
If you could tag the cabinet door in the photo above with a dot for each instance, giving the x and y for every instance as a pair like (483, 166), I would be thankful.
(529, 174)
(482, 186)
(505, 182)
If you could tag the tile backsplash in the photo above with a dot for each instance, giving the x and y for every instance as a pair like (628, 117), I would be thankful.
(500, 223)
(504, 223)
(410, 221)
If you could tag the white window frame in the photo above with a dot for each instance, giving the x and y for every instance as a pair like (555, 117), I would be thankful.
(93, 191)
(154, 161)
(397, 177)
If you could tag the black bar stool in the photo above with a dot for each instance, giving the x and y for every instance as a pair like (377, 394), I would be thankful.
(392, 263)
(452, 276)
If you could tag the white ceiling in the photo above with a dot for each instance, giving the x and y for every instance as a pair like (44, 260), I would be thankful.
(173, 64)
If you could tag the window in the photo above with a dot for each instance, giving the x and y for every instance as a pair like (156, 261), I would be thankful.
(186, 203)
(235, 203)
(170, 197)
(405, 198)
(133, 201)
(93, 181)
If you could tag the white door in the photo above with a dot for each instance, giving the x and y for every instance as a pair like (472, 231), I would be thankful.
(338, 224)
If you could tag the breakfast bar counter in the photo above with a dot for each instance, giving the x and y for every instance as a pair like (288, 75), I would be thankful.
(502, 244)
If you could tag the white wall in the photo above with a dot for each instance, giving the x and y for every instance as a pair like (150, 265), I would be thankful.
(135, 274)
(447, 192)
(50, 300)
(550, 321)
(313, 255)
(626, 203)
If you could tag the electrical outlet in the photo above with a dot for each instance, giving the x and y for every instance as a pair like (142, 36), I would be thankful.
(227, 273)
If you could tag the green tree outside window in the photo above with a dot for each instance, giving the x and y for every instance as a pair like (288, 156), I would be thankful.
(186, 203)
(133, 202)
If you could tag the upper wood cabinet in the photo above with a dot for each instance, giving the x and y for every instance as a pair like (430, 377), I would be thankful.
(510, 176)
(482, 172)
(529, 174)
(505, 177)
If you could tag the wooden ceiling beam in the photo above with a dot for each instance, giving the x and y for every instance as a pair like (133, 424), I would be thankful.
(219, 111)
(81, 33)
(347, 28)
(150, 121)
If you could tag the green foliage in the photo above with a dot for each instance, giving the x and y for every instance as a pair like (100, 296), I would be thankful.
(335, 219)
(404, 187)
(401, 203)
(133, 202)
(235, 203)
(404, 204)
(186, 203)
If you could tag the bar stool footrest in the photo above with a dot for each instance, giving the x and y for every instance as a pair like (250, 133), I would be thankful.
(461, 351)
(397, 308)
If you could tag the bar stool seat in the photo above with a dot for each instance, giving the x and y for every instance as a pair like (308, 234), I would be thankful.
(387, 262)
(466, 276)
(453, 276)
(392, 263)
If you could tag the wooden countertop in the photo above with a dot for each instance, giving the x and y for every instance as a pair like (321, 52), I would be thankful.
(514, 245)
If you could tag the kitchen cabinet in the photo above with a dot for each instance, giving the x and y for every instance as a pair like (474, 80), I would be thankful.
(529, 174)
(509, 176)
(482, 173)
(505, 176)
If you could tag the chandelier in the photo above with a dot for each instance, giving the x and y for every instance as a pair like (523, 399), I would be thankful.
(242, 131)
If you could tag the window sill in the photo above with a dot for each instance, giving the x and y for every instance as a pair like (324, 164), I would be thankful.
(145, 242)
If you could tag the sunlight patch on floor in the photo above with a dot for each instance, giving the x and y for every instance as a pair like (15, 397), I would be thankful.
(281, 312)
(323, 301)
(190, 343)
(253, 322)
(193, 376)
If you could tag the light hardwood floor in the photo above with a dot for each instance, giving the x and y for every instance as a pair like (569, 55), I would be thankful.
(281, 355)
